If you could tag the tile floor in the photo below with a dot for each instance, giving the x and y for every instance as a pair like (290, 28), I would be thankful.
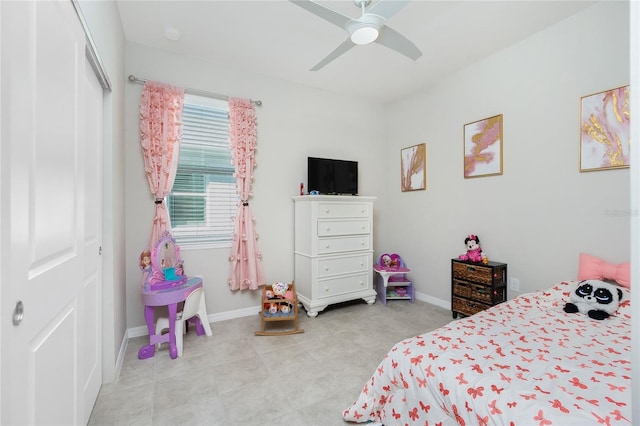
(237, 378)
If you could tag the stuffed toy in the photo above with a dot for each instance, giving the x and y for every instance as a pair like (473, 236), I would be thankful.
(279, 289)
(273, 308)
(285, 308)
(474, 251)
(597, 299)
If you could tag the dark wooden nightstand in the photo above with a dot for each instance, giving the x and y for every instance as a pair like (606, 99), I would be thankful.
(476, 286)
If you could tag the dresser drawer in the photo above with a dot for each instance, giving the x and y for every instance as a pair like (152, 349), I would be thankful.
(342, 285)
(480, 274)
(335, 210)
(329, 228)
(343, 265)
(342, 244)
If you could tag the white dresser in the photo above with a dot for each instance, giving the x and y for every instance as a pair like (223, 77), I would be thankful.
(333, 250)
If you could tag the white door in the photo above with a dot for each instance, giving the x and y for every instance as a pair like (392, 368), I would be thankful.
(90, 303)
(50, 227)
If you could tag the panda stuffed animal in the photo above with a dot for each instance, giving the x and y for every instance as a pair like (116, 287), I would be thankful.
(597, 299)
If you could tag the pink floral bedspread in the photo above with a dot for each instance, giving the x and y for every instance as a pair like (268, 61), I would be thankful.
(523, 362)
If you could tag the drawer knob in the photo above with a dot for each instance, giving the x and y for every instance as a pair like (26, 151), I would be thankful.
(361, 283)
(361, 243)
(327, 211)
(328, 229)
(327, 246)
(361, 263)
(326, 289)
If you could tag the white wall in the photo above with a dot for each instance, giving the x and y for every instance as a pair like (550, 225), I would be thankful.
(542, 211)
(294, 122)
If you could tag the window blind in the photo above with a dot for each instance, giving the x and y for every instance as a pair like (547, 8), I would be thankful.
(203, 201)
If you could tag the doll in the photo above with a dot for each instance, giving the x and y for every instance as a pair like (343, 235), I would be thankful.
(145, 267)
(474, 251)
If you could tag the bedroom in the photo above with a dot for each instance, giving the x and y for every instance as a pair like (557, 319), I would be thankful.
(536, 217)
(540, 201)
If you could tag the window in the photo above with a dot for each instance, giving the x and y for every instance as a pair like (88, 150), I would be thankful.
(204, 198)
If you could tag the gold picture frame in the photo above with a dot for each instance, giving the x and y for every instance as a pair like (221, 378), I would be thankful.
(413, 168)
(605, 130)
(483, 147)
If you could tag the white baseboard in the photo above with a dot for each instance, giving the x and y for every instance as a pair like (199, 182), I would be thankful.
(239, 313)
(433, 300)
(222, 316)
(121, 352)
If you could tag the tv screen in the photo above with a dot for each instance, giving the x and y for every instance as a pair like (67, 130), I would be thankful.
(329, 176)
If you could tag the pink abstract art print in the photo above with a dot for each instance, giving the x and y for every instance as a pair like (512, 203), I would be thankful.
(483, 147)
(413, 168)
(604, 130)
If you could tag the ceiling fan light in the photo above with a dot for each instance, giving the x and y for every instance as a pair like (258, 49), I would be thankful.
(365, 34)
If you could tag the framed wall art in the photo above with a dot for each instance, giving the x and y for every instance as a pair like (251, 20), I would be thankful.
(413, 168)
(604, 130)
(483, 147)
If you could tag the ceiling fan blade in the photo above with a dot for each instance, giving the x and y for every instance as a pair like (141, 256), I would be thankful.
(346, 45)
(323, 12)
(387, 8)
(396, 41)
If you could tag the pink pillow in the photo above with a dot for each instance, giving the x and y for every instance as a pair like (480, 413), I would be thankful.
(594, 268)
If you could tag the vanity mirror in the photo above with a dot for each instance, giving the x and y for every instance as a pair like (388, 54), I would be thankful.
(166, 265)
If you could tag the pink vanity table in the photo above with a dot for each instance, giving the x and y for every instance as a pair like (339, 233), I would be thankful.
(393, 277)
(169, 297)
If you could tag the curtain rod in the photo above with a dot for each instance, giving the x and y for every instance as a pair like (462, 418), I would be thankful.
(134, 79)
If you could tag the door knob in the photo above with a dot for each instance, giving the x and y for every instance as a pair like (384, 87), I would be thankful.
(18, 313)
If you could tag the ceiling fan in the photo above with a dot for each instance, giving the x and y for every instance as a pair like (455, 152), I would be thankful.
(370, 27)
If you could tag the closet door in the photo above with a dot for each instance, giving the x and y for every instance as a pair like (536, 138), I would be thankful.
(50, 265)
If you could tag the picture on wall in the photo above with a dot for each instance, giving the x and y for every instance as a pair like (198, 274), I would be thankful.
(483, 147)
(604, 130)
(413, 167)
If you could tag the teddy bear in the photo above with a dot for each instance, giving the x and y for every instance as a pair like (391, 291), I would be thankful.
(474, 251)
(597, 299)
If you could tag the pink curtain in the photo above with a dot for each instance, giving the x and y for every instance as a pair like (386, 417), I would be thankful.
(246, 260)
(160, 135)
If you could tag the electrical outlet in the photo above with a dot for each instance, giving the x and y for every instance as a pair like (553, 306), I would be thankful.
(514, 284)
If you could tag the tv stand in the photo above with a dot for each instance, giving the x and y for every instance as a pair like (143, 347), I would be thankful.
(333, 250)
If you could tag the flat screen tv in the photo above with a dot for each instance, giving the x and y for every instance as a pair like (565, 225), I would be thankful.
(329, 176)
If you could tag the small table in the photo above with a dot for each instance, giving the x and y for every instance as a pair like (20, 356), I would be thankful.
(385, 274)
(170, 298)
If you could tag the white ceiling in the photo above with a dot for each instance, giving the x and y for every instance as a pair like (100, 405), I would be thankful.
(279, 39)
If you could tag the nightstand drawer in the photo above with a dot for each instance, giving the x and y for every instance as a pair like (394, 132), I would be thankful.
(483, 293)
(479, 273)
(331, 210)
(329, 228)
(467, 307)
(461, 288)
(342, 244)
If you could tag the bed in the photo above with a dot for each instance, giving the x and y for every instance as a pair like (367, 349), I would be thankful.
(523, 362)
